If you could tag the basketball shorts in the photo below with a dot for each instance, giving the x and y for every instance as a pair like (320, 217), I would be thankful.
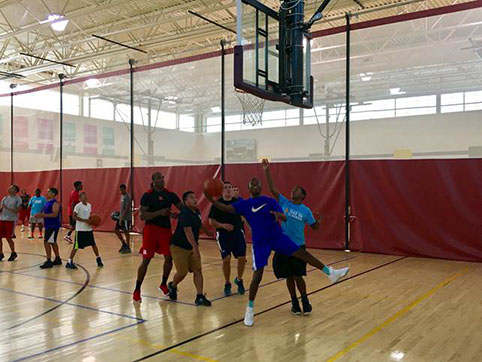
(23, 214)
(231, 242)
(262, 249)
(125, 225)
(6, 228)
(51, 236)
(185, 260)
(84, 239)
(285, 266)
(155, 239)
(36, 220)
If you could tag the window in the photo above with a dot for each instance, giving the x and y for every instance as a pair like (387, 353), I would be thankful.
(90, 139)
(69, 137)
(186, 123)
(20, 132)
(102, 109)
(411, 106)
(108, 141)
(45, 135)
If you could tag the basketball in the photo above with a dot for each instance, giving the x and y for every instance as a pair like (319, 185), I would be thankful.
(94, 220)
(214, 187)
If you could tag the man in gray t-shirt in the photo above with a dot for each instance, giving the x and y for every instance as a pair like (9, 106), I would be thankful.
(9, 207)
(125, 220)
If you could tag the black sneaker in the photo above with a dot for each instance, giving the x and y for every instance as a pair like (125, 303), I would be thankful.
(172, 291)
(99, 262)
(2, 256)
(121, 249)
(57, 261)
(13, 256)
(306, 306)
(239, 283)
(47, 265)
(202, 300)
(125, 249)
(71, 265)
(295, 307)
(227, 289)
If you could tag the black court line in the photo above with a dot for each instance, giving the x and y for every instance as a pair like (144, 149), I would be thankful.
(262, 312)
(279, 280)
(86, 282)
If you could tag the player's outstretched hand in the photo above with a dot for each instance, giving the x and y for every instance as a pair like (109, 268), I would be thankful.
(265, 164)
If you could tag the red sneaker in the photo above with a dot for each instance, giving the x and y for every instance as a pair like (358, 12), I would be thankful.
(136, 296)
(163, 288)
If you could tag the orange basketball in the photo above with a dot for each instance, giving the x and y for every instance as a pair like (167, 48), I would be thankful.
(94, 220)
(214, 187)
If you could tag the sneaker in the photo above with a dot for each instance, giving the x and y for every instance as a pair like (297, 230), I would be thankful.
(71, 265)
(125, 249)
(99, 262)
(202, 300)
(14, 236)
(68, 239)
(136, 296)
(172, 291)
(164, 289)
(337, 274)
(295, 307)
(47, 265)
(22, 229)
(249, 317)
(2, 256)
(13, 256)
(31, 236)
(57, 261)
(121, 249)
(40, 236)
(227, 289)
(239, 283)
(306, 306)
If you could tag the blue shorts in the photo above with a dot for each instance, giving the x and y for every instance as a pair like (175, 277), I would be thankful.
(281, 244)
(231, 242)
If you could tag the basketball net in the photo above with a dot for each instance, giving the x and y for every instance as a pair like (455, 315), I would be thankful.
(252, 108)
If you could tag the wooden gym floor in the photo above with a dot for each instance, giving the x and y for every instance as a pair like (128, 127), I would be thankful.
(390, 308)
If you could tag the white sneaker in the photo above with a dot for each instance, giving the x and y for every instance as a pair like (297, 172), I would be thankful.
(337, 274)
(22, 229)
(249, 317)
(68, 239)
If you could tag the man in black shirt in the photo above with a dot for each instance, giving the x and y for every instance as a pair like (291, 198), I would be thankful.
(156, 212)
(230, 237)
(185, 248)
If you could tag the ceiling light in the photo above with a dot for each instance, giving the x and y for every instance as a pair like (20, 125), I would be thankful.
(216, 109)
(396, 91)
(92, 83)
(397, 355)
(57, 23)
(365, 77)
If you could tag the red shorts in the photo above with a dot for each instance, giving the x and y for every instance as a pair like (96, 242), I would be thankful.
(155, 239)
(23, 214)
(6, 228)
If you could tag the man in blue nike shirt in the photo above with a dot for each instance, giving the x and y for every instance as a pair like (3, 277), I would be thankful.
(264, 215)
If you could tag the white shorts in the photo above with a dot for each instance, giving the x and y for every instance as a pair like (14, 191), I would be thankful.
(36, 220)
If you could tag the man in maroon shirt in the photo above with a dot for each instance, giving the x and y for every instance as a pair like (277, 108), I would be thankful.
(73, 200)
(156, 212)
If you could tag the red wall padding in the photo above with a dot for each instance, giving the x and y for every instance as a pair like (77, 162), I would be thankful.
(417, 207)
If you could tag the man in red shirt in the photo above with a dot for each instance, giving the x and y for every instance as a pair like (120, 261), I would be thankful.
(74, 200)
(156, 212)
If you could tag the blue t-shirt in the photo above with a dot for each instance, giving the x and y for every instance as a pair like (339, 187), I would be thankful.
(51, 222)
(297, 217)
(37, 204)
(257, 211)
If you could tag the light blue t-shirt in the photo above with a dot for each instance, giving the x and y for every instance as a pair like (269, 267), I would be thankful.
(37, 204)
(297, 217)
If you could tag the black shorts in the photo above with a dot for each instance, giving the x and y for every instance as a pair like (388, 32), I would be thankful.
(124, 226)
(72, 221)
(51, 236)
(288, 266)
(231, 242)
(84, 239)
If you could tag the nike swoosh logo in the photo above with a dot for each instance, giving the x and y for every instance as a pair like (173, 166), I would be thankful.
(258, 208)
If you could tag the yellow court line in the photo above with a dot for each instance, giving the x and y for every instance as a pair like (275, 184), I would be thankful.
(175, 351)
(397, 315)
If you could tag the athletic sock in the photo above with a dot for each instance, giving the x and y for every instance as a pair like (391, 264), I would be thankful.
(326, 270)
(70, 261)
(164, 280)
(138, 285)
(251, 303)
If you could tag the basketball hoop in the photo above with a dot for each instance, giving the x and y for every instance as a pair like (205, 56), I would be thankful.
(252, 108)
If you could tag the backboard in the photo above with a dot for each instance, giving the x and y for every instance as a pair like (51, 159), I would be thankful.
(268, 60)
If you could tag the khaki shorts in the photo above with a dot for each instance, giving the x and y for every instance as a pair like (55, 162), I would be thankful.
(185, 260)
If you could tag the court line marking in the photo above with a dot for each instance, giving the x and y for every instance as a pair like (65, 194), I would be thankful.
(79, 341)
(396, 316)
(86, 282)
(71, 304)
(262, 312)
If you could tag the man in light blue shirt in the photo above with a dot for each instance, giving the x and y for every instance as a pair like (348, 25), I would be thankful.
(298, 216)
(37, 204)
